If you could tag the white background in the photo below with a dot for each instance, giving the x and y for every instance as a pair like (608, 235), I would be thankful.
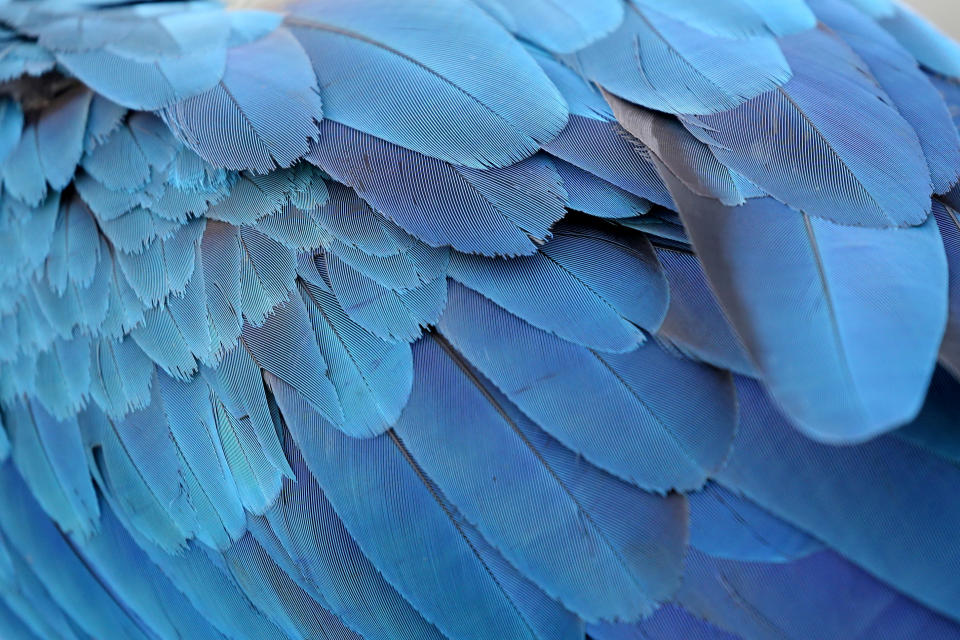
(944, 13)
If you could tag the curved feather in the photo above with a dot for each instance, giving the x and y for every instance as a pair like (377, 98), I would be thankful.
(255, 118)
(614, 409)
(869, 168)
(495, 470)
(561, 28)
(739, 18)
(928, 45)
(808, 300)
(868, 502)
(394, 70)
(573, 296)
(664, 64)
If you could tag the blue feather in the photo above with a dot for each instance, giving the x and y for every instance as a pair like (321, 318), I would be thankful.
(496, 469)
(331, 564)
(725, 525)
(22, 172)
(142, 58)
(494, 211)
(565, 288)
(390, 315)
(820, 596)
(949, 225)
(69, 581)
(695, 323)
(49, 455)
(11, 127)
(738, 18)
(668, 623)
(869, 166)
(255, 118)
(597, 197)
(895, 70)
(60, 133)
(286, 346)
(683, 70)
(814, 304)
(394, 70)
(928, 45)
(403, 526)
(559, 29)
(121, 375)
(614, 409)
(372, 378)
(868, 502)
(125, 159)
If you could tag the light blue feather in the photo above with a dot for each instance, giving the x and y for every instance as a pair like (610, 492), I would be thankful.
(683, 70)
(561, 29)
(395, 70)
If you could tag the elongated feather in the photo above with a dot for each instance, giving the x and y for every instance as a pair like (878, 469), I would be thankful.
(395, 76)
(867, 502)
(614, 409)
(60, 133)
(807, 292)
(948, 221)
(372, 378)
(495, 470)
(928, 44)
(820, 596)
(895, 70)
(561, 29)
(739, 18)
(49, 455)
(695, 323)
(424, 547)
(669, 622)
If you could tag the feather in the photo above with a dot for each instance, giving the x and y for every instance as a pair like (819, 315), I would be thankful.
(689, 160)
(394, 76)
(683, 70)
(125, 158)
(503, 464)
(726, 525)
(165, 266)
(141, 58)
(949, 225)
(11, 127)
(695, 323)
(575, 298)
(307, 527)
(668, 623)
(390, 315)
(895, 70)
(48, 454)
(372, 377)
(494, 211)
(286, 346)
(561, 29)
(255, 118)
(417, 542)
(22, 172)
(614, 409)
(121, 375)
(69, 581)
(928, 45)
(597, 197)
(867, 502)
(869, 169)
(814, 304)
(820, 596)
(739, 18)
(60, 132)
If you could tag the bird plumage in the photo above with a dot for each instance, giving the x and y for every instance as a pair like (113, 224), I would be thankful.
(478, 319)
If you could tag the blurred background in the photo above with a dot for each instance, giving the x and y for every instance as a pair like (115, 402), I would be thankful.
(944, 13)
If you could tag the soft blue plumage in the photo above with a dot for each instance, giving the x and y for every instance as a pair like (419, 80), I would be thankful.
(460, 319)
